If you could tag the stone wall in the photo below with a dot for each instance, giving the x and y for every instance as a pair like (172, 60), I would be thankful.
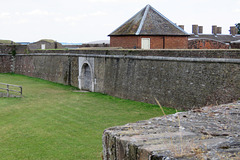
(194, 53)
(6, 63)
(14, 49)
(51, 68)
(176, 83)
(48, 45)
(211, 132)
(183, 79)
(87, 45)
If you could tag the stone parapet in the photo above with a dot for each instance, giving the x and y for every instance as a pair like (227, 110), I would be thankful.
(194, 53)
(211, 132)
(14, 49)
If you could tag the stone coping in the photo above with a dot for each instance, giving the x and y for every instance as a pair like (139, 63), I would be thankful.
(211, 132)
(193, 53)
(156, 58)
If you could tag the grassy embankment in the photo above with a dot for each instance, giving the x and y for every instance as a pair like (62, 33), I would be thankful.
(53, 122)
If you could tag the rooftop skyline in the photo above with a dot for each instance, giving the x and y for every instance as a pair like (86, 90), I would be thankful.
(84, 21)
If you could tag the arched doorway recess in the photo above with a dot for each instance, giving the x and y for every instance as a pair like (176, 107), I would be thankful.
(86, 74)
(86, 77)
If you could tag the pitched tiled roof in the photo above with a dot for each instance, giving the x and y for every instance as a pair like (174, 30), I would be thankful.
(225, 38)
(149, 21)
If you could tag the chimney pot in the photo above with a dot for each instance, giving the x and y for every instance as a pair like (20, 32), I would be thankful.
(214, 29)
(200, 29)
(181, 26)
(219, 30)
(233, 30)
(195, 29)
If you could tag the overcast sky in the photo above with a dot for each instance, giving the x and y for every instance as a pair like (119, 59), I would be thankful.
(90, 20)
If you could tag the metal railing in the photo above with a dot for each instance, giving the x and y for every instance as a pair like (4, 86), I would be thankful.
(10, 90)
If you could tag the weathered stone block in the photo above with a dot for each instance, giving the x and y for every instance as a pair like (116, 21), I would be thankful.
(211, 132)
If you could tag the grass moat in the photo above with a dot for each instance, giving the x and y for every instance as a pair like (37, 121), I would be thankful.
(51, 121)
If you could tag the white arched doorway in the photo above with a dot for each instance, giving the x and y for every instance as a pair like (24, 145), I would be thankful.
(86, 75)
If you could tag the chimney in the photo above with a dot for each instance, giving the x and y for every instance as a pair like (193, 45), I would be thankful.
(200, 29)
(181, 26)
(219, 30)
(233, 30)
(214, 29)
(195, 29)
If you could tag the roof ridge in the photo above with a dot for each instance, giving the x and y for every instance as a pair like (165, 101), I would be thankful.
(169, 20)
(143, 19)
(127, 21)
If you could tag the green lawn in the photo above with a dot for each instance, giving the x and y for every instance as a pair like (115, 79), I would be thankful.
(51, 122)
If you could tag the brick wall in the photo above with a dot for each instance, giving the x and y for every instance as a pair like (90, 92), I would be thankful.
(124, 41)
(157, 42)
(206, 44)
(176, 42)
(235, 45)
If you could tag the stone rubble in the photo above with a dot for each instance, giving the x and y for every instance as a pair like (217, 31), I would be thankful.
(212, 132)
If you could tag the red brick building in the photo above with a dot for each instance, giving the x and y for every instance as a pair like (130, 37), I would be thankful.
(149, 29)
(216, 40)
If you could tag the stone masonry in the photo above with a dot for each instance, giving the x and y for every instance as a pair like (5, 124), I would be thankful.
(183, 79)
(211, 132)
